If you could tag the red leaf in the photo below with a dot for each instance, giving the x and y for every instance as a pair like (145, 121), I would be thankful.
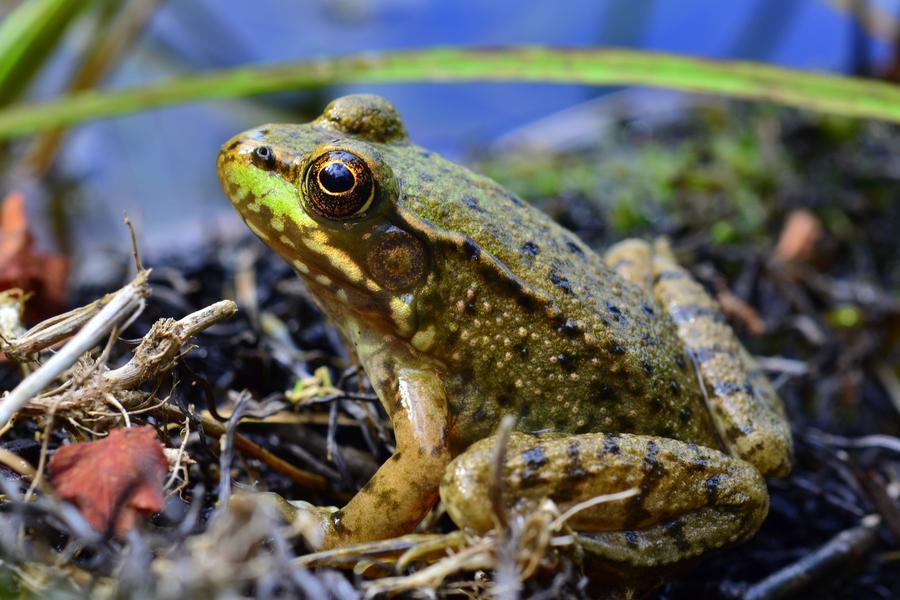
(22, 267)
(114, 480)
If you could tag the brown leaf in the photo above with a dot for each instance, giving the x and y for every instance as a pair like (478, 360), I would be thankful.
(22, 267)
(799, 237)
(114, 480)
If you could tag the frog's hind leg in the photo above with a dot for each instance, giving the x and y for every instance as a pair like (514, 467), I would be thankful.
(690, 499)
(633, 260)
(745, 407)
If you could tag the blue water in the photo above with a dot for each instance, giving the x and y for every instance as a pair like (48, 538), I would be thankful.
(159, 166)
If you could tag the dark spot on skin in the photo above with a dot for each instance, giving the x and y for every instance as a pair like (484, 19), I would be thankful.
(656, 404)
(471, 308)
(569, 328)
(610, 446)
(679, 360)
(534, 459)
(616, 349)
(466, 375)
(685, 414)
(265, 131)
(626, 425)
(604, 392)
(574, 248)
(648, 368)
(452, 337)
(524, 410)
(653, 472)
(473, 204)
(504, 400)
(479, 414)
(648, 340)
(576, 470)
(559, 280)
(515, 200)
(523, 350)
(530, 249)
(234, 145)
(712, 489)
(567, 362)
(425, 154)
(614, 310)
(675, 530)
(735, 433)
(631, 538)
(473, 252)
(670, 275)
(426, 177)
(701, 355)
(648, 310)
(725, 388)
(675, 387)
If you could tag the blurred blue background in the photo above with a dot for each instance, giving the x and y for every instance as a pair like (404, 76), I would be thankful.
(159, 164)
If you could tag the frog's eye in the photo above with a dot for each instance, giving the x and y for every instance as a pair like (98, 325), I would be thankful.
(339, 185)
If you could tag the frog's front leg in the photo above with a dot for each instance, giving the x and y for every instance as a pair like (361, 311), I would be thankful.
(405, 488)
(691, 499)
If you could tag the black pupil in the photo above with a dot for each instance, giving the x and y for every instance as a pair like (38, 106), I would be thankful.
(336, 178)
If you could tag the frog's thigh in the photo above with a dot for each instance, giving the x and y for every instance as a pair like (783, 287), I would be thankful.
(745, 407)
(691, 499)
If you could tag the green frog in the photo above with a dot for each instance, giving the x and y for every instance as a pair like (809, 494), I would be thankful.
(464, 304)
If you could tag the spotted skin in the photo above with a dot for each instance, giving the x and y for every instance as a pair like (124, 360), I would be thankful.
(465, 304)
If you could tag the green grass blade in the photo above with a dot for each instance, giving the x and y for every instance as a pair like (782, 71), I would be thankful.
(814, 91)
(27, 36)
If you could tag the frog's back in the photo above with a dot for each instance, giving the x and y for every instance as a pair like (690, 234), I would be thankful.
(534, 321)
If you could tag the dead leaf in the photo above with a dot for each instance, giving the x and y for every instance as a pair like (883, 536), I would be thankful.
(802, 231)
(112, 481)
(736, 309)
(22, 267)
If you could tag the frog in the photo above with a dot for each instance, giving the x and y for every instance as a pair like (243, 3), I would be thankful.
(464, 304)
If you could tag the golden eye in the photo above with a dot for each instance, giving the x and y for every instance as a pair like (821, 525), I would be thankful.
(339, 185)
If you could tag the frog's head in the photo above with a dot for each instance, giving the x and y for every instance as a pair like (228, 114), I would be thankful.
(324, 197)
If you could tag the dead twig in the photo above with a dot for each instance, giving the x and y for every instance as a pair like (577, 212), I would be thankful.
(122, 306)
(844, 547)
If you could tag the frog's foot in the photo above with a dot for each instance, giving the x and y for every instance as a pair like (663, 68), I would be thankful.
(748, 414)
(691, 499)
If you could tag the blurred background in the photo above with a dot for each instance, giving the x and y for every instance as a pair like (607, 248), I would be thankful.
(158, 165)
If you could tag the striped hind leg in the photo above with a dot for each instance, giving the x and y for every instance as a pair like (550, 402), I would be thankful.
(745, 407)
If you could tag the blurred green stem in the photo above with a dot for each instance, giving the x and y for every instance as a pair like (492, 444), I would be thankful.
(27, 36)
(814, 91)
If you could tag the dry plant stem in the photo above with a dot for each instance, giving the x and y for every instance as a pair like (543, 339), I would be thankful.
(842, 548)
(163, 343)
(55, 329)
(248, 448)
(120, 308)
(497, 468)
